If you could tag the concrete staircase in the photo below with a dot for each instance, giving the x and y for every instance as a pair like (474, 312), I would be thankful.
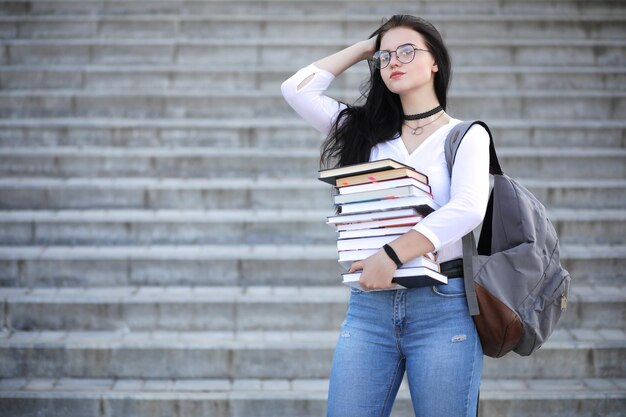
(162, 245)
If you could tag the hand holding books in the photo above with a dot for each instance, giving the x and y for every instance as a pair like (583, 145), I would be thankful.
(378, 265)
(379, 201)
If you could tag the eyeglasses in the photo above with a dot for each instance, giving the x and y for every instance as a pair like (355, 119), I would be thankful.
(405, 54)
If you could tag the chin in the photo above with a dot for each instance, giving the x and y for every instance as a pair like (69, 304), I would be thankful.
(396, 89)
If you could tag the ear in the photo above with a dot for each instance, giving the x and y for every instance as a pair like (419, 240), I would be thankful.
(435, 68)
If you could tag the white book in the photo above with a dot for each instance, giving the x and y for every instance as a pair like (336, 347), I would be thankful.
(403, 277)
(423, 204)
(350, 189)
(346, 258)
(361, 217)
(380, 231)
(409, 221)
(376, 242)
(385, 193)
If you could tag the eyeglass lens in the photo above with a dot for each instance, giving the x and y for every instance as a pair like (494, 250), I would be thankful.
(404, 53)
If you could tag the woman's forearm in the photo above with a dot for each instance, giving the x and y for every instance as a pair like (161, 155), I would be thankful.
(411, 245)
(340, 61)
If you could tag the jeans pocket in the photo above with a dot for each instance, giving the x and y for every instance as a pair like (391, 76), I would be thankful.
(454, 289)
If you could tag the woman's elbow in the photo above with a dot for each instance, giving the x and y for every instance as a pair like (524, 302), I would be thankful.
(287, 90)
(475, 217)
(475, 213)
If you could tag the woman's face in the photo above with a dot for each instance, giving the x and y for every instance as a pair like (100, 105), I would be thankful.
(401, 78)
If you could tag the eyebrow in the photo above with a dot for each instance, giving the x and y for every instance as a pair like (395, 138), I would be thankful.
(402, 44)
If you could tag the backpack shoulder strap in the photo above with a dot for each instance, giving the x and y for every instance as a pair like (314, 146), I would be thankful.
(453, 140)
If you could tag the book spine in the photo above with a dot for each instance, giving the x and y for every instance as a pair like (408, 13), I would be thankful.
(395, 203)
(392, 183)
(383, 194)
(407, 221)
(382, 231)
(365, 242)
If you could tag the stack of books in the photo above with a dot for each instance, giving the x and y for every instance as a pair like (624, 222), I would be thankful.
(378, 202)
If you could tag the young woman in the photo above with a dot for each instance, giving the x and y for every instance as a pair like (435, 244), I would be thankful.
(426, 332)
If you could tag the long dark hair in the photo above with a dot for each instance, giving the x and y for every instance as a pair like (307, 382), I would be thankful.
(358, 128)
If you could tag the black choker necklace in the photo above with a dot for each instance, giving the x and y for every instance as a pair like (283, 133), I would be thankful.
(424, 115)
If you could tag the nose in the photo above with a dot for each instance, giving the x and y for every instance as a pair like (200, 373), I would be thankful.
(393, 59)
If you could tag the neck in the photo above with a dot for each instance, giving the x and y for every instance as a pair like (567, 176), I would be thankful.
(419, 101)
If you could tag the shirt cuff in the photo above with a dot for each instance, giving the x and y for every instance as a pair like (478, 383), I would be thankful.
(420, 228)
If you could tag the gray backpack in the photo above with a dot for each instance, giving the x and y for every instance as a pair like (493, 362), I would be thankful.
(515, 285)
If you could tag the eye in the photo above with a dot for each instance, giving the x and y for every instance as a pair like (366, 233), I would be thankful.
(383, 56)
(405, 51)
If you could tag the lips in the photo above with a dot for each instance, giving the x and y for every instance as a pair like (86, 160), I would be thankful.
(396, 74)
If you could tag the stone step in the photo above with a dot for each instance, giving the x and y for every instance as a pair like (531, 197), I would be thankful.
(235, 309)
(72, 162)
(576, 353)
(267, 78)
(245, 193)
(276, 132)
(250, 227)
(231, 265)
(200, 103)
(149, 343)
(589, 397)
(305, 8)
(325, 26)
(299, 52)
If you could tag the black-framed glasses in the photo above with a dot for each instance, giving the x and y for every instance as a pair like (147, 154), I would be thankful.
(405, 54)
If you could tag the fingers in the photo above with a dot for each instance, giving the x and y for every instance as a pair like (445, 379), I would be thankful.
(375, 276)
(368, 287)
(356, 266)
(367, 284)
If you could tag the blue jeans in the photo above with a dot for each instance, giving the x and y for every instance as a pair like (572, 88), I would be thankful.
(426, 332)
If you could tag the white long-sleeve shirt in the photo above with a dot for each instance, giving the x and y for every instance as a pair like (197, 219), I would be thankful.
(463, 199)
